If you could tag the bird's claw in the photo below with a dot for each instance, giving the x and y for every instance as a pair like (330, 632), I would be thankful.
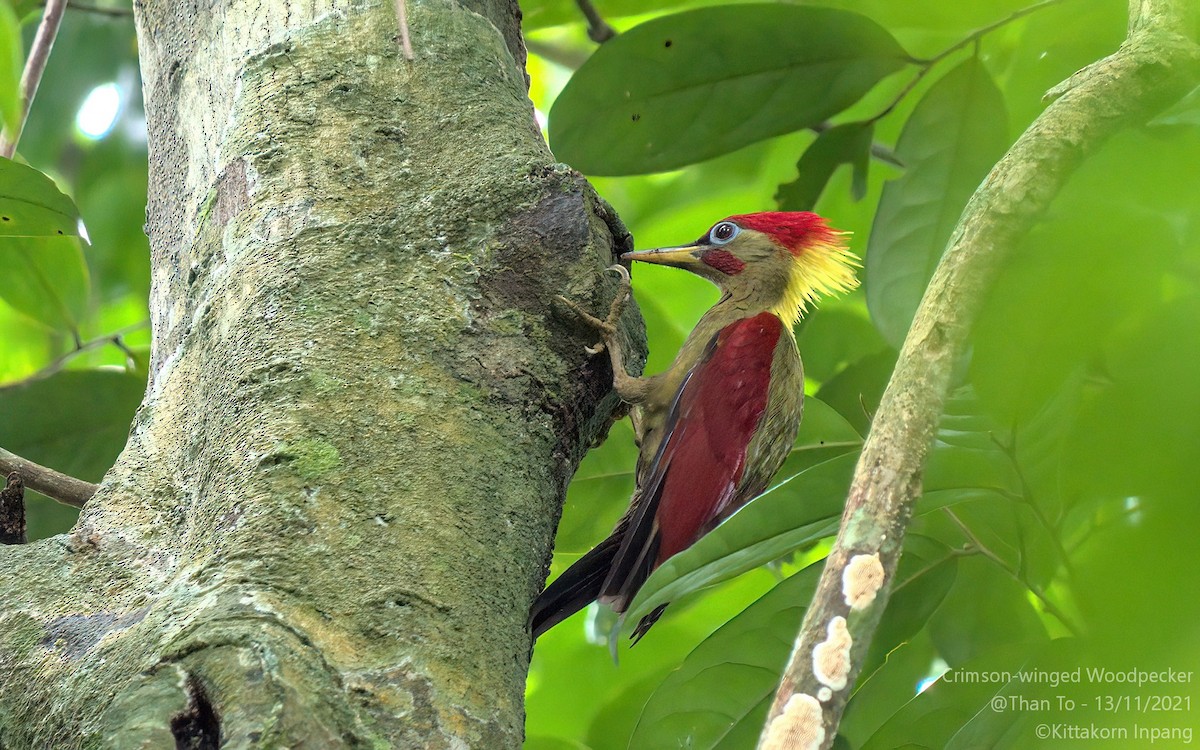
(622, 272)
(608, 326)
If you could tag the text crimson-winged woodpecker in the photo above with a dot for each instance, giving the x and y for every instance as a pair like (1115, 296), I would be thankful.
(718, 423)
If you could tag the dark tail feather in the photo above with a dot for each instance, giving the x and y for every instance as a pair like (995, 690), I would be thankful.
(645, 623)
(577, 587)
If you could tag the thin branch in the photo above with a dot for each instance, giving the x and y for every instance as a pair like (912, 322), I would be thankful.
(1010, 452)
(561, 55)
(54, 485)
(116, 338)
(878, 150)
(973, 38)
(402, 22)
(984, 550)
(39, 53)
(598, 29)
(1157, 64)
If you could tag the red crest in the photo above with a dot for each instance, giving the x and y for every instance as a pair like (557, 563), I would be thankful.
(795, 230)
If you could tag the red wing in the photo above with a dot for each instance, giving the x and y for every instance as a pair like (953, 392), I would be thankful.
(720, 412)
(699, 465)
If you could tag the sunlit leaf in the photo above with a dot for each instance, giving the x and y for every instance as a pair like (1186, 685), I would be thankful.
(45, 278)
(842, 144)
(953, 137)
(538, 14)
(687, 87)
(41, 260)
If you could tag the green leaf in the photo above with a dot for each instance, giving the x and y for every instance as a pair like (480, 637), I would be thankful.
(24, 7)
(31, 205)
(599, 492)
(924, 576)
(932, 718)
(881, 693)
(76, 421)
(834, 337)
(537, 14)
(841, 144)
(41, 258)
(45, 278)
(687, 87)
(11, 60)
(801, 509)
(955, 134)
(728, 679)
(962, 629)
(856, 390)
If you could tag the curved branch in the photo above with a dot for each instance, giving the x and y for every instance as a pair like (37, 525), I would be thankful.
(1156, 65)
(54, 485)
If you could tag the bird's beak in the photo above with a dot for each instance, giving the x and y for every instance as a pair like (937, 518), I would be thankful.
(682, 256)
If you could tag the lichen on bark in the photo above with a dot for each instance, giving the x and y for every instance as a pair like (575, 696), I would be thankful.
(338, 496)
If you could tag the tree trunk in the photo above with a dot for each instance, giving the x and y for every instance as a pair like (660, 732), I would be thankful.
(339, 494)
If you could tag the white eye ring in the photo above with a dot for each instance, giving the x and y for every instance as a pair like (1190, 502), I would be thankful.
(717, 235)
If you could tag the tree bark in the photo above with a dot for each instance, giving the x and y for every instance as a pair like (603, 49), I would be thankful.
(339, 494)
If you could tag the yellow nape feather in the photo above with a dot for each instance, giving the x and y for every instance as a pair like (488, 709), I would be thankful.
(822, 269)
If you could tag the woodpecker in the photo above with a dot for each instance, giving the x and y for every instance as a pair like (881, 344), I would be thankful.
(717, 424)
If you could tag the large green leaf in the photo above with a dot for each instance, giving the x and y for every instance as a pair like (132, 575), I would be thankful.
(955, 134)
(841, 144)
(31, 205)
(10, 66)
(834, 337)
(686, 87)
(24, 8)
(729, 678)
(76, 421)
(934, 717)
(801, 509)
(45, 278)
(537, 14)
(41, 258)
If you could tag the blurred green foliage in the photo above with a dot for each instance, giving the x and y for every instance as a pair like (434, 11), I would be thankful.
(1058, 521)
(1059, 495)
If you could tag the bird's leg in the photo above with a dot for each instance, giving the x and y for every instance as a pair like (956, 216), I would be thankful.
(632, 390)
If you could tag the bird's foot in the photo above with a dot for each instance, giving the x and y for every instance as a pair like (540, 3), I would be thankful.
(608, 326)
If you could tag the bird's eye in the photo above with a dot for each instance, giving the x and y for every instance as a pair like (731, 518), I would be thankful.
(723, 232)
